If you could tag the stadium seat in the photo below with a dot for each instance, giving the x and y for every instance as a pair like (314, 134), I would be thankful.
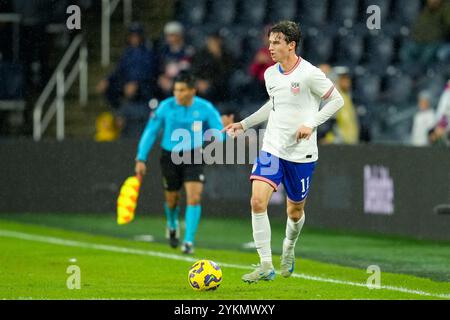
(192, 12)
(196, 36)
(253, 12)
(399, 89)
(318, 48)
(251, 44)
(312, 12)
(344, 12)
(406, 11)
(350, 49)
(379, 50)
(232, 41)
(239, 84)
(223, 12)
(12, 81)
(367, 88)
(282, 10)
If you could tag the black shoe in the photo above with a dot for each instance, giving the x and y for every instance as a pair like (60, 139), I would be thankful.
(173, 235)
(173, 239)
(187, 248)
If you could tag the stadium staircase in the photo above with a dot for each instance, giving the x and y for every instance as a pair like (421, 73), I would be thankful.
(80, 121)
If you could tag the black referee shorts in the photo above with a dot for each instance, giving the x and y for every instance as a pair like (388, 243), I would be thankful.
(174, 175)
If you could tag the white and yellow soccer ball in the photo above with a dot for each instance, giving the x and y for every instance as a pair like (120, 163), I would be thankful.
(205, 275)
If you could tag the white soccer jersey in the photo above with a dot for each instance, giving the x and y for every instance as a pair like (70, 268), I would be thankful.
(295, 97)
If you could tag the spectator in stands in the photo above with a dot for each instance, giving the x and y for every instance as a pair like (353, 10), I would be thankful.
(213, 66)
(346, 128)
(134, 76)
(261, 61)
(131, 85)
(441, 130)
(429, 33)
(174, 56)
(424, 120)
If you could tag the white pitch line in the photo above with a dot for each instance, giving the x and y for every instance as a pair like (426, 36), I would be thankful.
(110, 248)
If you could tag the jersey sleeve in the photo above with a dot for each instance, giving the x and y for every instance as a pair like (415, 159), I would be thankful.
(261, 115)
(151, 132)
(319, 84)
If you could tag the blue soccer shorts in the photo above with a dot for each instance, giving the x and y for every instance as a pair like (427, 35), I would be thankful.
(296, 177)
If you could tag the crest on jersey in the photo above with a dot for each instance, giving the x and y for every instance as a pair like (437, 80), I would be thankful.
(295, 88)
(197, 126)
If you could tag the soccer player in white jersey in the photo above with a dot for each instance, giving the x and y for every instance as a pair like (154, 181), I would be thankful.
(289, 152)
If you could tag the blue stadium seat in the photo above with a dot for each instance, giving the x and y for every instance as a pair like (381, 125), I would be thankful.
(318, 48)
(399, 89)
(282, 10)
(223, 12)
(232, 41)
(239, 84)
(379, 50)
(196, 36)
(406, 11)
(253, 12)
(350, 49)
(313, 12)
(344, 12)
(367, 88)
(251, 44)
(12, 81)
(192, 12)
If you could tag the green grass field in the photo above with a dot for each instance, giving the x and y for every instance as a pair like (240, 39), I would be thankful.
(37, 249)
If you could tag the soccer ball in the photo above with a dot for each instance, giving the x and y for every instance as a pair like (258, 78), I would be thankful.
(205, 275)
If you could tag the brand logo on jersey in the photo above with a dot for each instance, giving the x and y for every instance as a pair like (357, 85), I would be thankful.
(196, 126)
(295, 88)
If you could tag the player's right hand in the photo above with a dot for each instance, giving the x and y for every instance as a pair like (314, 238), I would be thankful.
(140, 168)
(233, 129)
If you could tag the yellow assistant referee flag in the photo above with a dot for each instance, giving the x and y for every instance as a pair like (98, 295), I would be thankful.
(127, 201)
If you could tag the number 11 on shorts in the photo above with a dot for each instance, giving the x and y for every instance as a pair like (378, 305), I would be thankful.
(303, 184)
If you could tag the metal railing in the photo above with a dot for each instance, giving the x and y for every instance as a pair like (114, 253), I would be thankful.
(108, 8)
(62, 85)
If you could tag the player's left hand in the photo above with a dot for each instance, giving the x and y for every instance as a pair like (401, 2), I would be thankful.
(304, 133)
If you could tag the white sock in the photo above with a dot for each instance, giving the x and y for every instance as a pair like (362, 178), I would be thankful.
(292, 232)
(261, 235)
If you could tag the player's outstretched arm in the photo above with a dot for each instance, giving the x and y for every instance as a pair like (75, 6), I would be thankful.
(257, 117)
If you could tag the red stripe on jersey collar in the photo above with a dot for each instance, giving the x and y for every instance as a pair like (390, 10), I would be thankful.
(299, 59)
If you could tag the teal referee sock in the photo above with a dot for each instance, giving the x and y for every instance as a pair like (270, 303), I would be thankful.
(193, 214)
(172, 216)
